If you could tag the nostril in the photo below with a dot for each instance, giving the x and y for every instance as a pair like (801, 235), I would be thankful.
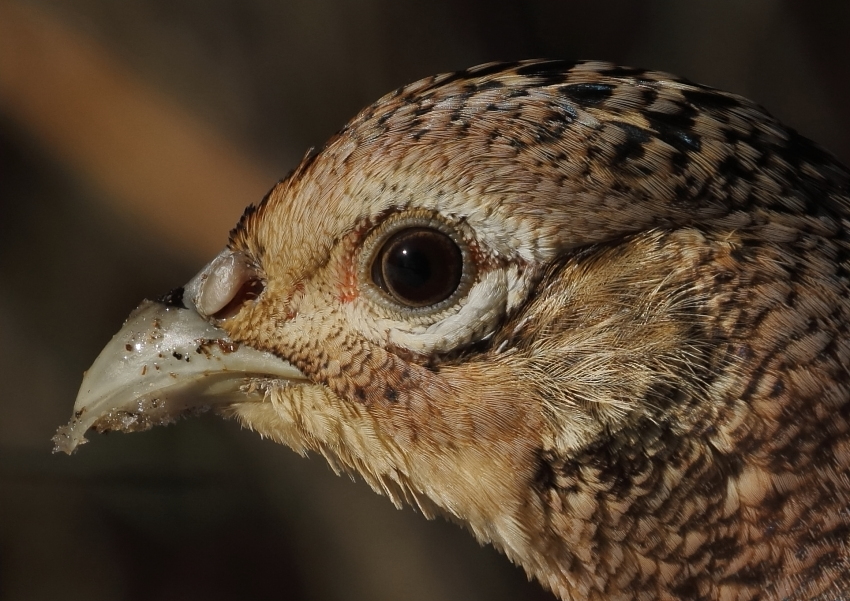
(173, 298)
(229, 281)
(249, 290)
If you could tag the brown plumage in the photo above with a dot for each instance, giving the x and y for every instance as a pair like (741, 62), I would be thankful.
(616, 346)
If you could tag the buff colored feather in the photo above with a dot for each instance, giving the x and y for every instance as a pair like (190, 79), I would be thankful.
(638, 387)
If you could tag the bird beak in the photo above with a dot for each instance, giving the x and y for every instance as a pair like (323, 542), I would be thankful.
(165, 362)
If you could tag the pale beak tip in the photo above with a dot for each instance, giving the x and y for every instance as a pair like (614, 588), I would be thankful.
(68, 437)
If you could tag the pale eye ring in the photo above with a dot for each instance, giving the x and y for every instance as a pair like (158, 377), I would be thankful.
(418, 262)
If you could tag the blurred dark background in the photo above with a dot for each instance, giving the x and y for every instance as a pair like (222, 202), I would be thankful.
(133, 133)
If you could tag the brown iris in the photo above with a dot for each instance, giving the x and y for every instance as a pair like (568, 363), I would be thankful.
(418, 267)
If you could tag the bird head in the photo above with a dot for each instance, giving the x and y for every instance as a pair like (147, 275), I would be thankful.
(521, 296)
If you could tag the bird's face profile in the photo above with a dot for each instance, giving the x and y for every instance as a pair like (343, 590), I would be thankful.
(596, 314)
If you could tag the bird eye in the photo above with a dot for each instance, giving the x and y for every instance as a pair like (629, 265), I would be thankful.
(418, 266)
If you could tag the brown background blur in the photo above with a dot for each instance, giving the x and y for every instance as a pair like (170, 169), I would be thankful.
(133, 133)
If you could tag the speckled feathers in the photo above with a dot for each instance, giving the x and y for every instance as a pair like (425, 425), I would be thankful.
(644, 392)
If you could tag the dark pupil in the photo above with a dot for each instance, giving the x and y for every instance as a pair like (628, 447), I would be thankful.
(419, 267)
